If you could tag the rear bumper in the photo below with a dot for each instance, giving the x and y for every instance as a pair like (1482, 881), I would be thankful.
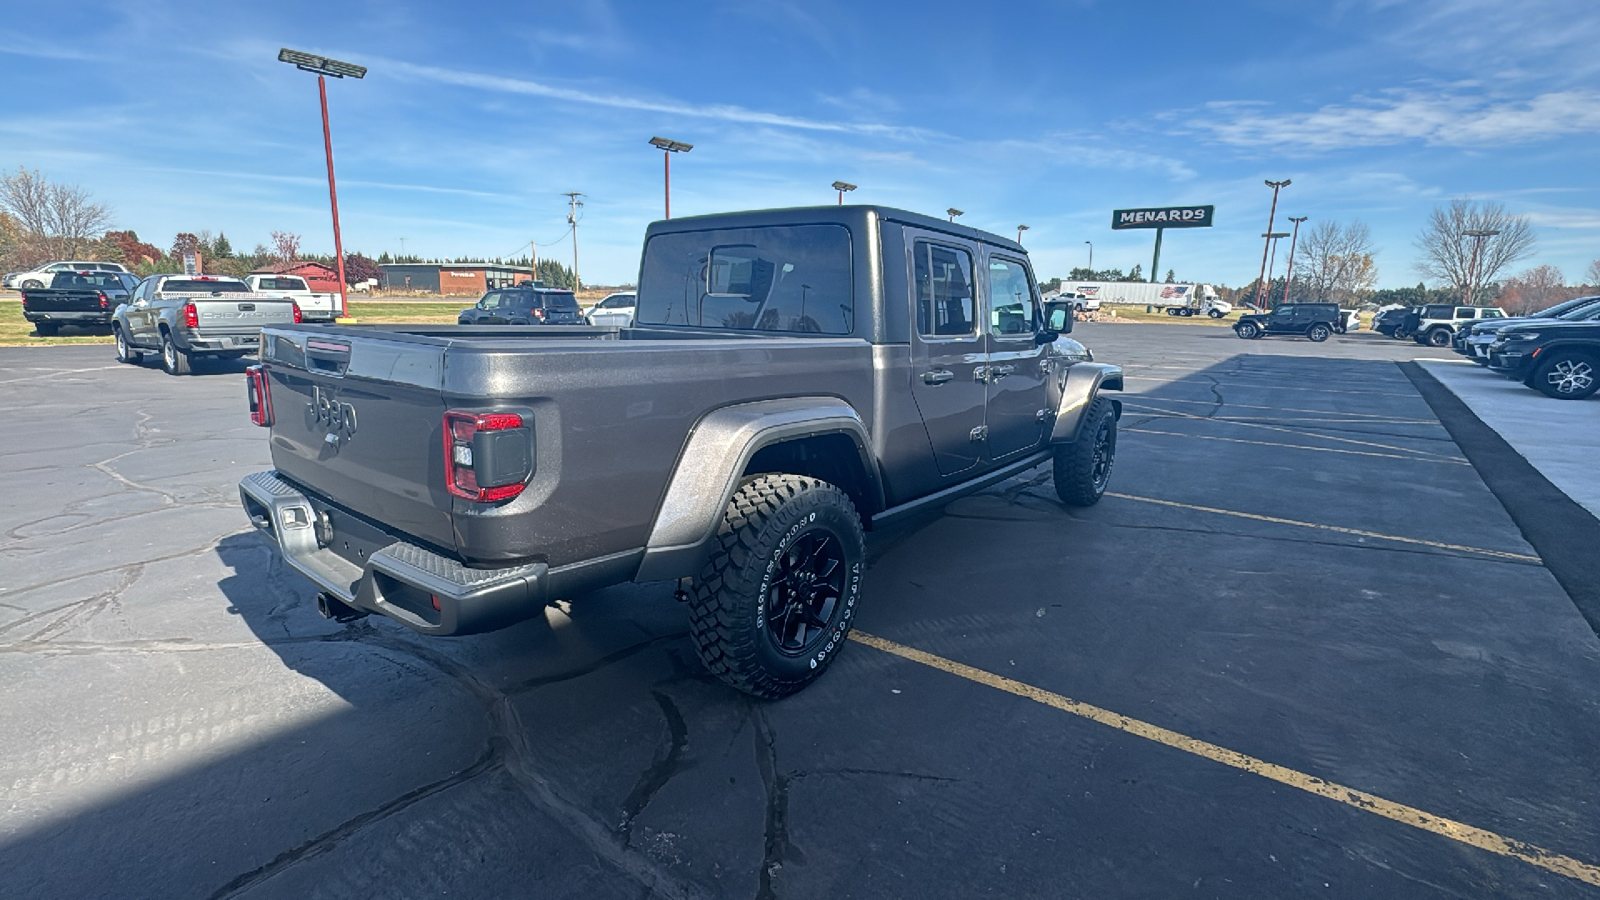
(97, 317)
(220, 342)
(416, 587)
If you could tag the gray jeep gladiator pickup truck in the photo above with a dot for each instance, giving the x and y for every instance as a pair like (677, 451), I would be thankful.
(792, 379)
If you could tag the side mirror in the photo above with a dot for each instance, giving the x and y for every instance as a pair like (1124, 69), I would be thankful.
(1057, 319)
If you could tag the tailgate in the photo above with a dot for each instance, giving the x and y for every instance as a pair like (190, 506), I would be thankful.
(359, 420)
(239, 312)
(62, 301)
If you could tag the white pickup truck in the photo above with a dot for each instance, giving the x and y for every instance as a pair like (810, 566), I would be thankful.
(314, 307)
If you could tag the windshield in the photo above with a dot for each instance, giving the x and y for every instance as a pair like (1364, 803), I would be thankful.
(785, 278)
(282, 283)
(194, 286)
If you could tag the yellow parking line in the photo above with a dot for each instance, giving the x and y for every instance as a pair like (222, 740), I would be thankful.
(1497, 554)
(1209, 437)
(1398, 812)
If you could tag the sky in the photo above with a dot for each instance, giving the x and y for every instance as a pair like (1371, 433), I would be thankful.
(476, 118)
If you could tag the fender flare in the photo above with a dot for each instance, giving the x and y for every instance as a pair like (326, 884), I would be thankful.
(1079, 386)
(714, 457)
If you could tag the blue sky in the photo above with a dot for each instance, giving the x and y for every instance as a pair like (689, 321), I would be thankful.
(475, 117)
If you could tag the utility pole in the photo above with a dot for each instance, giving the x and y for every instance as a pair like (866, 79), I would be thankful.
(573, 205)
(1091, 259)
(533, 256)
(1261, 282)
(402, 249)
(1478, 236)
(1295, 239)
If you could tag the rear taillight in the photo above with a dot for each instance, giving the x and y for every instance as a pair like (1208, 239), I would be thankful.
(191, 316)
(105, 302)
(297, 315)
(487, 456)
(260, 396)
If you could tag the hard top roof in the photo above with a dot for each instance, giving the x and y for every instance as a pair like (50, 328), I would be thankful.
(849, 214)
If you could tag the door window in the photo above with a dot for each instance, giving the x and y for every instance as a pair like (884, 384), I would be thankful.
(490, 300)
(1463, 312)
(1011, 305)
(946, 306)
(1490, 314)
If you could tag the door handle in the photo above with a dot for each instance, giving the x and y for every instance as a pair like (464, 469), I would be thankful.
(998, 372)
(937, 376)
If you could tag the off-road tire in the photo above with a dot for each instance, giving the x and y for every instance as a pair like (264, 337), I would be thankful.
(1438, 337)
(46, 329)
(728, 606)
(125, 351)
(1567, 376)
(1319, 333)
(1082, 469)
(173, 360)
(1247, 330)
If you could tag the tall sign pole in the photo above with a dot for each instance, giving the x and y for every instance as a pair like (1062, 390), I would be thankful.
(1155, 261)
(1261, 280)
(1294, 239)
(1160, 218)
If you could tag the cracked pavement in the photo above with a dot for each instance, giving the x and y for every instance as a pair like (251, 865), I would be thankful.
(181, 723)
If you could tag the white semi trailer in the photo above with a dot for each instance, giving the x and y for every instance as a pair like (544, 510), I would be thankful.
(1174, 299)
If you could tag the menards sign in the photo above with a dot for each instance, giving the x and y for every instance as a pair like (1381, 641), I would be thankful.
(1163, 217)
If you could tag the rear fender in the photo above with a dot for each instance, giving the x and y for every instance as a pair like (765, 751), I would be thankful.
(1079, 386)
(713, 462)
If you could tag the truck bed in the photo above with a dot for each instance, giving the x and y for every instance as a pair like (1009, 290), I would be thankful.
(610, 411)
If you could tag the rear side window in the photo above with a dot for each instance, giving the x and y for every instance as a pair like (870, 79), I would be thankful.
(793, 278)
(945, 299)
(1438, 312)
(191, 286)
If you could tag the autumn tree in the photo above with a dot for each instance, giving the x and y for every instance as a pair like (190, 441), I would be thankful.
(1337, 263)
(358, 268)
(286, 246)
(1538, 288)
(59, 220)
(132, 250)
(1447, 249)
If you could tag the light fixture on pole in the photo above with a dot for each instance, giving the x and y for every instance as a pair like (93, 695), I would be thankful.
(1478, 235)
(1091, 258)
(1020, 230)
(841, 187)
(668, 148)
(322, 67)
(1288, 276)
(954, 212)
(1261, 281)
(1272, 242)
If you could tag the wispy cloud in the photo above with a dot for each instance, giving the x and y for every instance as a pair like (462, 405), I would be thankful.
(723, 112)
(1405, 116)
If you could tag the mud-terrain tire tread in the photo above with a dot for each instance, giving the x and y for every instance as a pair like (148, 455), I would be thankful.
(723, 597)
(1072, 467)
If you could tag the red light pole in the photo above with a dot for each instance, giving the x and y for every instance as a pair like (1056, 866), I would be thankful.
(668, 148)
(1293, 240)
(1261, 282)
(321, 66)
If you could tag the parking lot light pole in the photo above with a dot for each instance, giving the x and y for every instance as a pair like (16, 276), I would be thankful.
(1091, 258)
(668, 148)
(954, 212)
(841, 187)
(1020, 230)
(1272, 243)
(1478, 237)
(1289, 275)
(1261, 282)
(321, 66)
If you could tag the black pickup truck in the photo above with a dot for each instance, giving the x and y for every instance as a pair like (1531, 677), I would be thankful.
(76, 298)
(793, 378)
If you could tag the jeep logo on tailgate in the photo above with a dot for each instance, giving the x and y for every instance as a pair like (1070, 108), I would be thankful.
(327, 410)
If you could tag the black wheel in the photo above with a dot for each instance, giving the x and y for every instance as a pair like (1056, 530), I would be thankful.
(1319, 332)
(46, 329)
(1567, 376)
(1082, 468)
(125, 351)
(1247, 330)
(173, 360)
(1439, 337)
(772, 607)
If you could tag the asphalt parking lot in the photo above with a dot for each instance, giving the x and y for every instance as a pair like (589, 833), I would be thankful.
(1301, 649)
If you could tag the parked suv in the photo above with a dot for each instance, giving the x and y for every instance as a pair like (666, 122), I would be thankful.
(1473, 341)
(1435, 324)
(1558, 359)
(524, 306)
(1317, 321)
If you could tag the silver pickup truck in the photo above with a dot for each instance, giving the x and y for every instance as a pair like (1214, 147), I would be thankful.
(182, 317)
(792, 379)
